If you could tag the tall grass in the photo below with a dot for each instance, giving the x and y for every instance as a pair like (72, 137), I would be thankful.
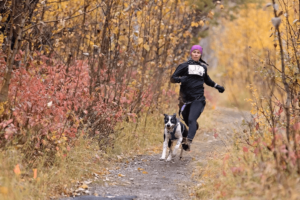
(79, 163)
(242, 172)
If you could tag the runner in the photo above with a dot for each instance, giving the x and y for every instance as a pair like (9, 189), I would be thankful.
(192, 75)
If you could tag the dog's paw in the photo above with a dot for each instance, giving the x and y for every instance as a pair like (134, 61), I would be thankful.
(169, 159)
(162, 158)
(185, 147)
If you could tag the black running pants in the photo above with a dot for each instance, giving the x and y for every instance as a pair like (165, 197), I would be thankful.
(190, 115)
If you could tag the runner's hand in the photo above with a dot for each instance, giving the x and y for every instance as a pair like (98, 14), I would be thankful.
(220, 88)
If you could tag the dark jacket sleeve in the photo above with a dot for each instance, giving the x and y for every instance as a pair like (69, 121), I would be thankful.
(207, 79)
(175, 78)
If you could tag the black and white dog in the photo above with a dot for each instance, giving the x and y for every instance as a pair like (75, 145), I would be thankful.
(174, 130)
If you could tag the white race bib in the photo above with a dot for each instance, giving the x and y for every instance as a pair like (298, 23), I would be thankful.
(196, 70)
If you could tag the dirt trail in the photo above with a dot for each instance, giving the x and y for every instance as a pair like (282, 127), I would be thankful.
(146, 177)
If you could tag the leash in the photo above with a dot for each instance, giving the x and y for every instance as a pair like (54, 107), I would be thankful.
(185, 104)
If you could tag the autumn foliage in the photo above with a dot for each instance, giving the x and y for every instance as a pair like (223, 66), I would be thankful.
(76, 68)
(261, 58)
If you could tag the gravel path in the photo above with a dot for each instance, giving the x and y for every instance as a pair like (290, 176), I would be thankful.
(146, 177)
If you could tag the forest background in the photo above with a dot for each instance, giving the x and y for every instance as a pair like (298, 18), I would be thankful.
(84, 84)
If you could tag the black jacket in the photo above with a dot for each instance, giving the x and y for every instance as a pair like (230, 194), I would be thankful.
(192, 75)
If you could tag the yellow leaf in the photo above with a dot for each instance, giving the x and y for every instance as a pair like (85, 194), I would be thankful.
(152, 64)
(17, 169)
(91, 43)
(84, 186)
(1, 38)
(34, 173)
(160, 41)
(144, 172)
(210, 14)
(147, 47)
(194, 24)
(121, 175)
(140, 169)
(4, 190)
(140, 40)
(221, 7)
(201, 23)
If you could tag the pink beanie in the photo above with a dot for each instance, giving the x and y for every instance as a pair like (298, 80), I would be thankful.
(198, 47)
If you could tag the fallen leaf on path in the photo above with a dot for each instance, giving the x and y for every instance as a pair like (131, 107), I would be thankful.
(87, 182)
(121, 175)
(34, 173)
(17, 169)
(119, 157)
(84, 186)
(140, 169)
(216, 135)
(144, 172)
(79, 190)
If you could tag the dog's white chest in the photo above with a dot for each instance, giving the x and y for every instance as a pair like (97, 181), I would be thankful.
(177, 133)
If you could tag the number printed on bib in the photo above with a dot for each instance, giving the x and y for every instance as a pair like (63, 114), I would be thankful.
(196, 70)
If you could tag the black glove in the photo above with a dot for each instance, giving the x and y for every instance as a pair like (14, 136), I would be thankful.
(220, 88)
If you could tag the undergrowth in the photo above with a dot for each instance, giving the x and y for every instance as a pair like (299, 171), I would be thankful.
(248, 168)
(22, 180)
(19, 180)
(237, 173)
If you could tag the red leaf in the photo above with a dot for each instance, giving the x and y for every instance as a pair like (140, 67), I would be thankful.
(297, 126)
(8, 133)
(280, 111)
(257, 126)
(216, 135)
(245, 149)
(224, 173)
(226, 157)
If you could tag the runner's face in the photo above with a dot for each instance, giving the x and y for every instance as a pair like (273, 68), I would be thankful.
(196, 55)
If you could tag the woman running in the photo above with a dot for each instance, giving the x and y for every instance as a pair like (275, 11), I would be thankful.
(192, 75)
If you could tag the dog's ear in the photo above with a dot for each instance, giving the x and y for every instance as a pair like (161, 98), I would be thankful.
(165, 115)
